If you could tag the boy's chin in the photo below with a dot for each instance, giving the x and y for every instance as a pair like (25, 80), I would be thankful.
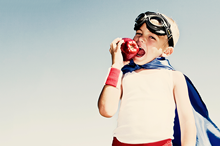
(142, 60)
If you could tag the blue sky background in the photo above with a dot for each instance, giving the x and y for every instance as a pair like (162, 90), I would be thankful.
(54, 58)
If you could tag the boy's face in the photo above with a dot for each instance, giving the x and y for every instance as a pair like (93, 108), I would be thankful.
(151, 45)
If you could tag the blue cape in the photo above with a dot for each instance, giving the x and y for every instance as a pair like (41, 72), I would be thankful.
(208, 133)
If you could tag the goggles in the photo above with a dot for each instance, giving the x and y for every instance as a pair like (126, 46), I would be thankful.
(156, 23)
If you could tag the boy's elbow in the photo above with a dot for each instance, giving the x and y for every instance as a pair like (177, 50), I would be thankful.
(108, 113)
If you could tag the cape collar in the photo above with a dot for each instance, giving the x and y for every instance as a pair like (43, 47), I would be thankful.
(157, 63)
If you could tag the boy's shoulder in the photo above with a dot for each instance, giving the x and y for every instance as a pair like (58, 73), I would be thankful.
(178, 78)
(177, 73)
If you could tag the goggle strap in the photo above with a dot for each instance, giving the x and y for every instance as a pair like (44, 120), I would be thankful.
(169, 32)
(170, 41)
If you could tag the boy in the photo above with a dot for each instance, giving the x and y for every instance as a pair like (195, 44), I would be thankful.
(149, 90)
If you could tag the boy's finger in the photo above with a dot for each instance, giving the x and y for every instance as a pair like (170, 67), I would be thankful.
(119, 45)
(114, 43)
(116, 40)
(126, 62)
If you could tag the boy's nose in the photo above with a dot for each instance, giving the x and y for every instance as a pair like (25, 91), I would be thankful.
(140, 39)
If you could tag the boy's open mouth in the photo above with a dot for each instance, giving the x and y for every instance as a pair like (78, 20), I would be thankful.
(141, 52)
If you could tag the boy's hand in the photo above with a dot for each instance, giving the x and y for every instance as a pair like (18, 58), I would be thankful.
(115, 50)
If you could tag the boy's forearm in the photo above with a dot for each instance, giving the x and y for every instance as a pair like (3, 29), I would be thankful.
(188, 133)
(108, 101)
(111, 93)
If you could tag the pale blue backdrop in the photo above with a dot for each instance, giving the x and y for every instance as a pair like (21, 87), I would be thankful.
(54, 58)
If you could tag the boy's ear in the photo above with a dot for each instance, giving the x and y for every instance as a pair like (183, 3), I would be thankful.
(167, 52)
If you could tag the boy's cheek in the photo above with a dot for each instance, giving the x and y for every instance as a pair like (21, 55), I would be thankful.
(135, 38)
(158, 50)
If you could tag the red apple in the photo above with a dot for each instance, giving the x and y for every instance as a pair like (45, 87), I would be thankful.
(129, 49)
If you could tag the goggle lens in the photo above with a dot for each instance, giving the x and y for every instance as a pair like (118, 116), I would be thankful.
(156, 21)
(140, 19)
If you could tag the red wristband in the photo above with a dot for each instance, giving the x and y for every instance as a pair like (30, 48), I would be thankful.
(113, 77)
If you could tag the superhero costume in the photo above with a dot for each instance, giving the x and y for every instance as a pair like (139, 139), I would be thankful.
(208, 133)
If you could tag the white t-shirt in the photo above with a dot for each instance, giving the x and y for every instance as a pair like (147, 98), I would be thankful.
(147, 107)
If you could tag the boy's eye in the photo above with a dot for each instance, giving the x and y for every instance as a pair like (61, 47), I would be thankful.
(138, 33)
(152, 37)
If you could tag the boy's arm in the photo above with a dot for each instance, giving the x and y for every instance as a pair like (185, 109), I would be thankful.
(110, 96)
(108, 101)
(184, 109)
